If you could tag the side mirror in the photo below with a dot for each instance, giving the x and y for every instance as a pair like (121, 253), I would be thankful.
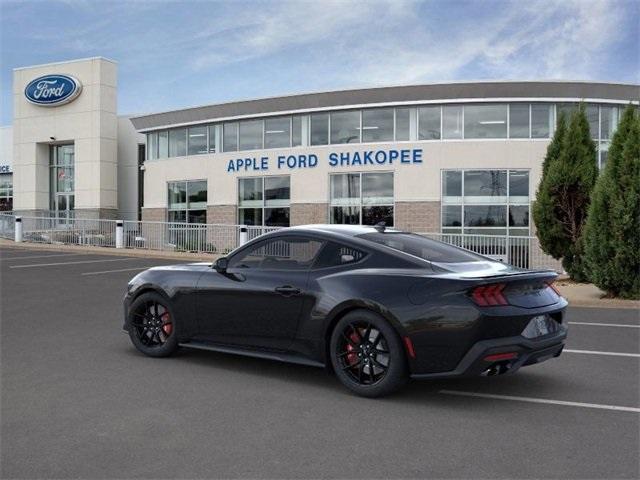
(221, 264)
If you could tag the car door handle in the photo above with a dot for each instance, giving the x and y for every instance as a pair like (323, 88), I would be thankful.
(287, 290)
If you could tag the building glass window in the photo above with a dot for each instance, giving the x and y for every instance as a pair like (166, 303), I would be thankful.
(452, 218)
(152, 146)
(452, 185)
(187, 201)
(296, 131)
(62, 183)
(403, 124)
(213, 136)
(592, 117)
(519, 120)
(163, 144)
(429, 123)
(377, 125)
(6, 192)
(178, 142)
(251, 135)
(608, 121)
(264, 201)
(485, 121)
(320, 129)
(452, 121)
(361, 198)
(486, 202)
(567, 109)
(345, 127)
(230, 137)
(277, 132)
(197, 141)
(603, 150)
(541, 120)
(482, 186)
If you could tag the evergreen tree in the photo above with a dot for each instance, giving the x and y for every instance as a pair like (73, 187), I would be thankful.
(555, 147)
(562, 203)
(549, 229)
(612, 233)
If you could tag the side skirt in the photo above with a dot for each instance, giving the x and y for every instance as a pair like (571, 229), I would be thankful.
(270, 355)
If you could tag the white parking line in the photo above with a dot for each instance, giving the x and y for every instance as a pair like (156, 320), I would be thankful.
(605, 324)
(43, 256)
(595, 352)
(540, 400)
(120, 270)
(71, 263)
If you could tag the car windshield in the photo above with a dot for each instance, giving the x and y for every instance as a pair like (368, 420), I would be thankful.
(422, 247)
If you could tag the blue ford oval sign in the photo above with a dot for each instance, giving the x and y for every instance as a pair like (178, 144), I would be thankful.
(53, 90)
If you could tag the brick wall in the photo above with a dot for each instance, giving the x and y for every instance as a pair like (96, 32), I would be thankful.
(222, 214)
(154, 214)
(308, 213)
(418, 216)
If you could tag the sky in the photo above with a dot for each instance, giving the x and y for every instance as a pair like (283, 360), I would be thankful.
(175, 54)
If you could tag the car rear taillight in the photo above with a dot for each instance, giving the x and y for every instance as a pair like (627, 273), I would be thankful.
(489, 295)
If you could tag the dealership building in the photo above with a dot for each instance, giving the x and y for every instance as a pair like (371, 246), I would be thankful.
(450, 157)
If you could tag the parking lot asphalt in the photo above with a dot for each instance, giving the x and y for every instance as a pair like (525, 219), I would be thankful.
(78, 401)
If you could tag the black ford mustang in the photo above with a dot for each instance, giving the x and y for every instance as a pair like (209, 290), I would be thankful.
(375, 305)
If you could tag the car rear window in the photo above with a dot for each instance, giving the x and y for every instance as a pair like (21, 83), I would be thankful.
(335, 255)
(422, 247)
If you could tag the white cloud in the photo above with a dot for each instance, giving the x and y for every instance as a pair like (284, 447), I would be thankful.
(402, 42)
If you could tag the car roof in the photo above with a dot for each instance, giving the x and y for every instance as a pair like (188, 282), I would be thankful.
(341, 230)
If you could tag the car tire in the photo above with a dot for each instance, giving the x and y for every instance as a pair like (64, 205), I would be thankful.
(357, 343)
(152, 326)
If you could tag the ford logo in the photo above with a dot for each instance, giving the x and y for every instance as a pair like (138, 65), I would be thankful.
(53, 90)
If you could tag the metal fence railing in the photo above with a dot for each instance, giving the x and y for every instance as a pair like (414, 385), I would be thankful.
(7, 225)
(185, 237)
(523, 252)
(167, 236)
(77, 231)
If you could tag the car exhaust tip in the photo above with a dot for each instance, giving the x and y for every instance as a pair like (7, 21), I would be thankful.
(497, 369)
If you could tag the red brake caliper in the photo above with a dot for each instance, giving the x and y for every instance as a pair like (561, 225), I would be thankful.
(352, 357)
(167, 327)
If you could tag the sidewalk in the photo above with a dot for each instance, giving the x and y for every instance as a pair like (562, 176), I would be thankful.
(588, 295)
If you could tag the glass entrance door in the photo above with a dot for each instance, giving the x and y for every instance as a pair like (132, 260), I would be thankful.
(62, 184)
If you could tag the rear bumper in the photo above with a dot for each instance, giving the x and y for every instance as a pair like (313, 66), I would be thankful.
(529, 352)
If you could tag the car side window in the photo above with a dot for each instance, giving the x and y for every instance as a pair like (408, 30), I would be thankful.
(282, 253)
(336, 254)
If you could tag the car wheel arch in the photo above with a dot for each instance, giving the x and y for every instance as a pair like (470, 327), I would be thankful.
(150, 289)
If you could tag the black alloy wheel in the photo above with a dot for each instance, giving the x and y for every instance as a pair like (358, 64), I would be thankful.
(367, 354)
(363, 353)
(152, 325)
